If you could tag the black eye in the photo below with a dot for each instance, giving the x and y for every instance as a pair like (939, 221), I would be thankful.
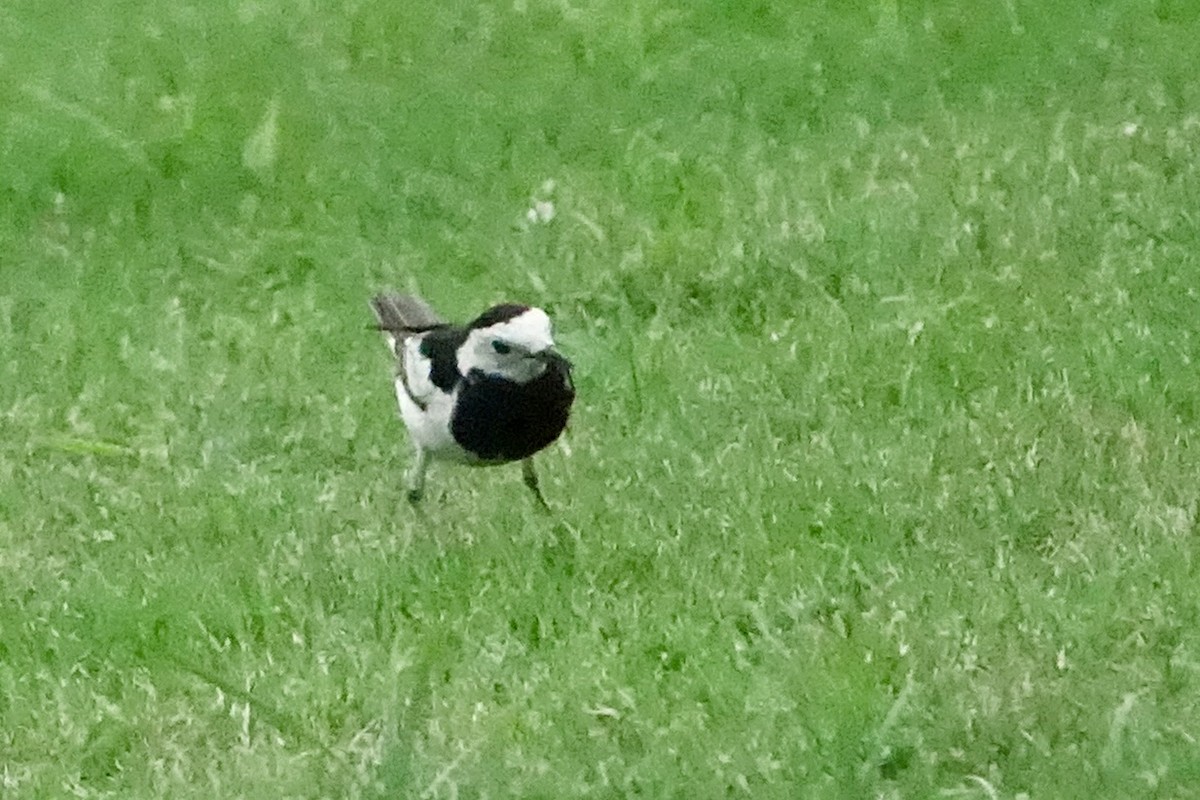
(500, 347)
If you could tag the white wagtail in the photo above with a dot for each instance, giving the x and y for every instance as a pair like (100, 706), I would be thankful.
(489, 392)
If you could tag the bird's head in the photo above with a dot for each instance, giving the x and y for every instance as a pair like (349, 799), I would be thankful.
(509, 341)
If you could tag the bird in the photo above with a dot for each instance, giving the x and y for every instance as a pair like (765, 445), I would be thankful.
(492, 391)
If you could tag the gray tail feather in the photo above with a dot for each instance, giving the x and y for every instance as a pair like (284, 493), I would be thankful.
(404, 313)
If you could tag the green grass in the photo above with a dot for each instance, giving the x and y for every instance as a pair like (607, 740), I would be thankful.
(882, 481)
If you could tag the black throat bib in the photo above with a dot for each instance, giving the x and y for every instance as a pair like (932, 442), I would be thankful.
(498, 420)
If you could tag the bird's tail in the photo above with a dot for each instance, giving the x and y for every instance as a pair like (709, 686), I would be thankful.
(404, 314)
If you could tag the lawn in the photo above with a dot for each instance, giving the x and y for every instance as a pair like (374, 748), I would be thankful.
(883, 477)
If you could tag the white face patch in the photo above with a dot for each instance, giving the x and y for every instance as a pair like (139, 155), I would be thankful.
(529, 330)
(509, 349)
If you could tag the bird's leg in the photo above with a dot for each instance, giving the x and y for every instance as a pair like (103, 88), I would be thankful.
(415, 477)
(529, 475)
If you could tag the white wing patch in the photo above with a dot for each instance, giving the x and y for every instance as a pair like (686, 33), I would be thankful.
(426, 409)
(414, 378)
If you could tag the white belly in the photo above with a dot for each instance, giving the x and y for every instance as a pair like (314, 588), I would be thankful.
(429, 428)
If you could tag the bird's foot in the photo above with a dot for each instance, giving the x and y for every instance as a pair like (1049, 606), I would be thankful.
(529, 476)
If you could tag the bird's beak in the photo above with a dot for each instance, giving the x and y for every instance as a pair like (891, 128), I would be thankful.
(551, 357)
